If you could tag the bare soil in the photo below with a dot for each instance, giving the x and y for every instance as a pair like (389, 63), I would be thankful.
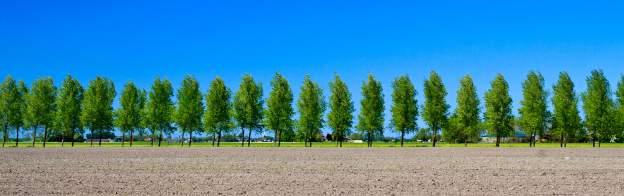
(298, 171)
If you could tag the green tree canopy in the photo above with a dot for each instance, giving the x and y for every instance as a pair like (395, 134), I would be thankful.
(12, 106)
(404, 106)
(533, 106)
(129, 116)
(159, 108)
(69, 109)
(41, 107)
(190, 107)
(97, 112)
(498, 116)
(566, 119)
(340, 117)
(620, 105)
(311, 107)
(218, 117)
(371, 118)
(279, 108)
(598, 107)
(467, 111)
(435, 108)
(248, 106)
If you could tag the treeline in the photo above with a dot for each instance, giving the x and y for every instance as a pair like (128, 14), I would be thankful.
(67, 112)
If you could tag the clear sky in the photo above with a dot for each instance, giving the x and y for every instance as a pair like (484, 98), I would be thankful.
(140, 40)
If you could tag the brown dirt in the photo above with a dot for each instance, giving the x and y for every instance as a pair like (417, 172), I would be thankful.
(297, 171)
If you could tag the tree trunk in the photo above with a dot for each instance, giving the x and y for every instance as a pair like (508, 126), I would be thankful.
(34, 135)
(219, 139)
(402, 136)
(123, 139)
(73, 136)
(45, 136)
(214, 138)
(561, 142)
(242, 137)
(131, 136)
(5, 134)
(249, 139)
(370, 140)
(190, 138)
(497, 140)
(435, 135)
(17, 140)
(100, 138)
(152, 139)
(160, 138)
(182, 139)
(279, 138)
(340, 143)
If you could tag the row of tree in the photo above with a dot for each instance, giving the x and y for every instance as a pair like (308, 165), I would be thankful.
(68, 111)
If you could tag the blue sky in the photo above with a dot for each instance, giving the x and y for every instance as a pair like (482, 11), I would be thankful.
(141, 40)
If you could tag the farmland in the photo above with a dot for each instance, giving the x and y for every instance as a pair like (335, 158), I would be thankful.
(312, 171)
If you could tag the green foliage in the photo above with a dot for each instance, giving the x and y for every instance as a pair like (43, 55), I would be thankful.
(279, 108)
(598, 106)
(566, 119)
(340, 117)
(466, 121)
(435, 108)
(371, 118)
(404, 106)
(159, 108)
(248, 104)
(218, 118)
(188, 115)
(311, 107)
(40, 106)
(97, 112)
(12, 105)
(69, 108)
(620, 105)
(130, 115)
(498, 116)
(533, 106)
(40, 103)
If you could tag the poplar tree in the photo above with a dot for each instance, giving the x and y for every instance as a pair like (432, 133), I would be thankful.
(248, 107)
(190, 109)
(340, 117)
(467, 111)
(404, 106)
(159, 109)
(498, 116)
(129, 116)
(598, 107)
(97, 113)
(41, 107)
(620, 105)
(217, 118)
(69, 109)
(533, 106)
(311, 107)
(371, 117)
(13, 106)
(279, 107)
(435, 108)
(566, 119)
